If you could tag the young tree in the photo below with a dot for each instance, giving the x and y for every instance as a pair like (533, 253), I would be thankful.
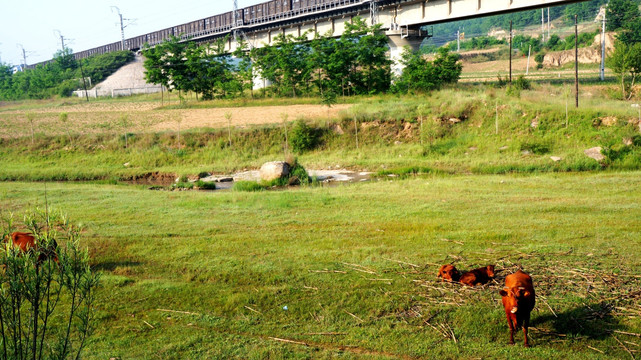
(625, 61)
(422, 75)
(47, 302)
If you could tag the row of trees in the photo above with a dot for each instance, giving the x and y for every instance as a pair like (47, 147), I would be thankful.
(354, 64)
(60, 77)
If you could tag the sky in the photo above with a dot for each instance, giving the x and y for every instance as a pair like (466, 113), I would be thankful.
(86, 24)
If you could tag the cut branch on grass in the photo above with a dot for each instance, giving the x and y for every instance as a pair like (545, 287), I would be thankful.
(253, 310)
(178, 311)
(624, 347)
(354, 316)
(289, 341)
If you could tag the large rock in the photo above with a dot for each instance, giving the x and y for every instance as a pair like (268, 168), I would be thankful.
(274, 170)
(595, 153)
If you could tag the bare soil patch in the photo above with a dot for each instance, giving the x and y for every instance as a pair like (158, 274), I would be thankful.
(144, 117)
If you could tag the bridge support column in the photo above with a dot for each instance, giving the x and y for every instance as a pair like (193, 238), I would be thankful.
(397, 41)
(260, 82)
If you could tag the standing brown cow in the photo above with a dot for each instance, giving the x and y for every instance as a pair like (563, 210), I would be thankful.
(518, 301)
(27, 242)
(448, 273)
(480, 276)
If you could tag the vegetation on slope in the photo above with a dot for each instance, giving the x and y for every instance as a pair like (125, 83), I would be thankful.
(451, 130)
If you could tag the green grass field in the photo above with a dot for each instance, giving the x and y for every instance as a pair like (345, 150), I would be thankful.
(207, 275)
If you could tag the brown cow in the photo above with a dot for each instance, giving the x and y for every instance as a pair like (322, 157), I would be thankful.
(478, 276)
(448, 273)
(518, 301)
(27, 242)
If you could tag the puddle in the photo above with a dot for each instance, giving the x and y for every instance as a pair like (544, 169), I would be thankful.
(325, 177)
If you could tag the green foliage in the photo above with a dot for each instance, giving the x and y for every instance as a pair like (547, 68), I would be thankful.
(406, 172)
(60, 77)
(422, 75)
(522, 83)
(183, 185)
(46, 306)
(476, 43)
(535, 147)
(206, 185)
(620, 13)
(625, 61)
(302, 137)
(248, 186)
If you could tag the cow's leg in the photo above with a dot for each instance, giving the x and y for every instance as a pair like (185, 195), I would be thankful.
(511, 326)
(526, 323)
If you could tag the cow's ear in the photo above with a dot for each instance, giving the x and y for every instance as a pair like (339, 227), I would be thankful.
(503, 293)
(526, 294)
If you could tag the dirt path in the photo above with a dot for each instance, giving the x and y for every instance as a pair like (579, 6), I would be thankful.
(145, 117)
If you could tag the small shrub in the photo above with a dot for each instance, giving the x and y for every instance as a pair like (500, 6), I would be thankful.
(36, 322)
(539, 60)
(206, 185)
(183, 185)
(512, 90)
(302, 137)
(535, 148)
(522, 83)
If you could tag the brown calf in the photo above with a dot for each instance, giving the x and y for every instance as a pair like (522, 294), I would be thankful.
(448, 273)
(480, 276)
(518, 301)
(27, 242)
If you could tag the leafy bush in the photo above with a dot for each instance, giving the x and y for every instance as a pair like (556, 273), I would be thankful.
(522, 83)
(48, 295)
(206, 185)
(302, 137)
(423, 75)
(537, 148)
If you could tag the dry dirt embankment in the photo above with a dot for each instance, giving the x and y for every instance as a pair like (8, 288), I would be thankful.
(144, 117)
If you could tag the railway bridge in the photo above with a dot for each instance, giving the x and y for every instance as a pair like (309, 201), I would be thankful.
(402, 20)
(259, 24)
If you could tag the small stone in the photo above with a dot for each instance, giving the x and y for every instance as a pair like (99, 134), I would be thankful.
(504, 148)
(126, 164)
(473, 148)
(555, 158)
(627, 141)
(609, 121)
(594, 153)
(397, 142)
(525, 152)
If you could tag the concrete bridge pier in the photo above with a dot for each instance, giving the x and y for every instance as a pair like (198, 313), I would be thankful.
(399, 39)
(260, 82)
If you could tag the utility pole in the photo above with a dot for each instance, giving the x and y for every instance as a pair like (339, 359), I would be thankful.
(543, 25)
(24, 56)
(576, 59)
(548, 24)
(603, 48)
(529, 52)
(122, 26)
(62, 39)
(510, 51)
